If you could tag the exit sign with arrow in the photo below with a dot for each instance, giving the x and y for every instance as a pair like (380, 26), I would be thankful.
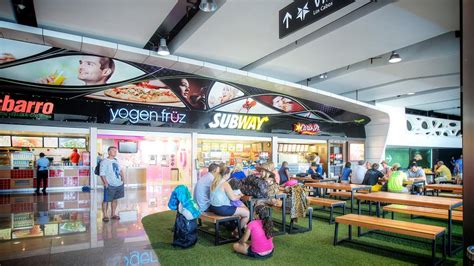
(301, 13)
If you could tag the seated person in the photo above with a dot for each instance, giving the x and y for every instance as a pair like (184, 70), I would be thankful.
(372, 176)
(222, 195)
(417, 173)
(346, 173)
(202, 190)
(396, 179)
(443, 173)
(238, 172)
(319, 169)
(272, 168)
(260, 231)
(312, 169)
(284, 173)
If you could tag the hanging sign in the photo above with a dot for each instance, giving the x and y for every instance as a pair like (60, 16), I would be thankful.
(237, 121)
(302, 13)
(306, 129)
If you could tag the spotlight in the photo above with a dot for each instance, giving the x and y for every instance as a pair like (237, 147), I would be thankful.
(323, 76)
(208, 5)
(394, 58)
(411, 93)
(163, 48)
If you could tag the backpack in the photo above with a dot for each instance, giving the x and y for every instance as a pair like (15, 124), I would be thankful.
(255, 186)
(97, 168)
(185, 232)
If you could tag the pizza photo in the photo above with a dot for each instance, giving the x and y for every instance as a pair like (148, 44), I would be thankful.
(143, 92)
(142, 95)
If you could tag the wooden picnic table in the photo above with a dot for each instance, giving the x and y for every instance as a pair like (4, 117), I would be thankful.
(305, 179)
(341, 186)
(448, 187)
(414, 200)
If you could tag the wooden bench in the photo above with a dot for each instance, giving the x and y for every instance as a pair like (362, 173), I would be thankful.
(217, 221)
(422, 211)
(340, 194)
(429, 232)
(330, 203)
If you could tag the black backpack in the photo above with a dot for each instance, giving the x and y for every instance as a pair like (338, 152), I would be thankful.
(97, 168)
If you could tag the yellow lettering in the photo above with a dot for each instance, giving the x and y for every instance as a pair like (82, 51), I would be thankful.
(262, 120)
(253, 123)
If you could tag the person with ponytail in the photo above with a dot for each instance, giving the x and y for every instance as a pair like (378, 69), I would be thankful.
(260, 231)
(222, 194)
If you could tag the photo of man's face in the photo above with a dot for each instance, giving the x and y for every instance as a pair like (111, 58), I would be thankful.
(92, 72)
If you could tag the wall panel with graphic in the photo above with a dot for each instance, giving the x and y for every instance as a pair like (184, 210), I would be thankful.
(92, 88)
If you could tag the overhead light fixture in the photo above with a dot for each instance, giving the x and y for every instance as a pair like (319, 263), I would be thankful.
(208, 5)
(323, 76)
(394, 58)
(411, 93)
(163, 48)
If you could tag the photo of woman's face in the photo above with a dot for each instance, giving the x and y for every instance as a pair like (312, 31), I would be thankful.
(184, 87)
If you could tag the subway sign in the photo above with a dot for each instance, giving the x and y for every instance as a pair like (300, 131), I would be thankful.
(135, 116)
(237, 121)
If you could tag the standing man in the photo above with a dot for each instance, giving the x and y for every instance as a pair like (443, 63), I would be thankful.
(112, 177)
(42, 165)
(458, 166)
(202, 190)
(74, 157)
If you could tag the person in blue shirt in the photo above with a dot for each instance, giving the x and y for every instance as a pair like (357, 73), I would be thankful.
(319, 169)
(312, 169)
(284, 173)
(346, 173)
(42, 165)
(458, 166)
(238, 172)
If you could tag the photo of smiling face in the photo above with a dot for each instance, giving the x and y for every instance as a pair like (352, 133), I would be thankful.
(184, 87)
(94, 70)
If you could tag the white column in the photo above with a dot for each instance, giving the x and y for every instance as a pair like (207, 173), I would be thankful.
(194, 171)
(93, 157)
(274, 151)
(328, 163)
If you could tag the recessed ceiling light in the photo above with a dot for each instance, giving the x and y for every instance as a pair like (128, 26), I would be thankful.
(411, 93)
(394, 58)
(323, 76)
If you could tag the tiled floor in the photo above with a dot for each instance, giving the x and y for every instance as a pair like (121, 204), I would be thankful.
(66, 228)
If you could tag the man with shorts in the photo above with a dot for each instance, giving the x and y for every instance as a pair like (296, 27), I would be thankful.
(112, 177)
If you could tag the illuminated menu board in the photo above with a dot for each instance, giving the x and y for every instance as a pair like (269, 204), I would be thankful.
(5, 141)
(29, 142)
(72, 143)
(50, 142)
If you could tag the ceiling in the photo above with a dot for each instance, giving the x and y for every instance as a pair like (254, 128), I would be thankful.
(243, 34)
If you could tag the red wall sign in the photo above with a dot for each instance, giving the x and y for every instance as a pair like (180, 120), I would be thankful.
(306, 129)
(28, 107)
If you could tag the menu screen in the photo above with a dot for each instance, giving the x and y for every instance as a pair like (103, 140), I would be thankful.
(30, 142)
(72, 143)
(5, 141)
(50, 142)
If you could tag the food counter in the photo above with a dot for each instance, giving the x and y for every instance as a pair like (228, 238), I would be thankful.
(58, 176)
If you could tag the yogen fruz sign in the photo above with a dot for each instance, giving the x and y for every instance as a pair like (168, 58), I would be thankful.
(134, 116)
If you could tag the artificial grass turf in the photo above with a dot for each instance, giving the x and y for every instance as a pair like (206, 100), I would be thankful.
(310, 248)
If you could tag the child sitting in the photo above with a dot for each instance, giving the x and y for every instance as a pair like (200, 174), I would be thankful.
(261, 232)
